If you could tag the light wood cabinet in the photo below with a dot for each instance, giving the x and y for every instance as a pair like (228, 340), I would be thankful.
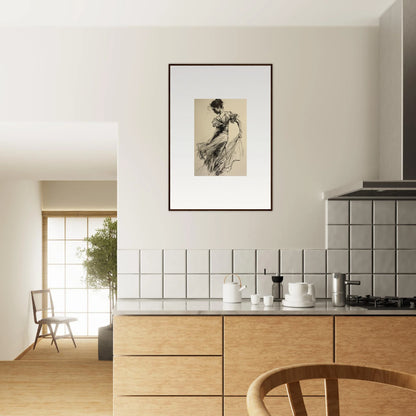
(255, 344)
(168, 406)
(167, 335)
(203, 365)
(173, 376)
(279, 406)
(379, 341)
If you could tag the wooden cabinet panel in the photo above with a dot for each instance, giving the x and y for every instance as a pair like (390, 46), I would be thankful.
(236, 406)
(388, 342)
(380, 341)
(167, 335)
(253, 345)
(168, 406)
(160, 376)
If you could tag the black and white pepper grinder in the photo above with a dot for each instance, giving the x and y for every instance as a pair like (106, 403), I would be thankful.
(277, 288)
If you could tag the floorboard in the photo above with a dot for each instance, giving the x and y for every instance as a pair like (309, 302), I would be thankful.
(44, 382)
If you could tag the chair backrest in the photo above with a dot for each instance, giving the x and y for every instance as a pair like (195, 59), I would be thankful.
(42, 304)
(330, 373)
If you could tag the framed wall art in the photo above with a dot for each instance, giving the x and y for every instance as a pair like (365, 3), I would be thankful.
(220, 137)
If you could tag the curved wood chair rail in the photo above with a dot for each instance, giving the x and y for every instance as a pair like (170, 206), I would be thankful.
(329, 372)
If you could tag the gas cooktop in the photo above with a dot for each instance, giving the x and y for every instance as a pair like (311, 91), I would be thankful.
(388, 302)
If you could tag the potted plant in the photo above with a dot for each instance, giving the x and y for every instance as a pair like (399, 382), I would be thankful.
(101, 267)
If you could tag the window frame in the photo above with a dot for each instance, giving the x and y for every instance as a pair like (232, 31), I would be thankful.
(49, 214)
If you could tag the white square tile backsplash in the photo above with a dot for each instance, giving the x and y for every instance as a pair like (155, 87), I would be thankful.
(174, 286)
(198, 286)
(174, 261)
(151, 261)
(291, 261)
(198, 261)
(406, 212)
(373, 241)
(128, 261)
(221, 261)
(361, 212)
(244, 261)
(337, 212)
(314, 261)
(128, 286)
(151, 286)
(384, 212)
(267, 260)
(216, 282)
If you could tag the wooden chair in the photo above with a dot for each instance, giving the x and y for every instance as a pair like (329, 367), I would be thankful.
(42, 303)
(329, 372)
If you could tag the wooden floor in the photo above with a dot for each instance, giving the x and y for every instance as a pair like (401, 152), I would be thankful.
(70, 383)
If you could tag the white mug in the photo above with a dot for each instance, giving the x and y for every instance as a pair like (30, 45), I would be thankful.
(255, 299)
(298, 289)
(311, 291)
(268, 300)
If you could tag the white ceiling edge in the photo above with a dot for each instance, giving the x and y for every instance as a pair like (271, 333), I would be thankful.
(208, 13)
(58, 151)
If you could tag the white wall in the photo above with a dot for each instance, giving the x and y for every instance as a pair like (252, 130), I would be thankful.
(325, 118)
(20, 264)
(79, 195)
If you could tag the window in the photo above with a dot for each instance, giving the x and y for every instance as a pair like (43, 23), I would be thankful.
(64, 273)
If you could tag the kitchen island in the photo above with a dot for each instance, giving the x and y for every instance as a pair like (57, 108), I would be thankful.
(188, 357)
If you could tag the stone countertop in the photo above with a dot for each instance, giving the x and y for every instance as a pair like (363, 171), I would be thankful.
(217, 307)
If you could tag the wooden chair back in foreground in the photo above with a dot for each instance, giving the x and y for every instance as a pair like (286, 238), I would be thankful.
(291, 376)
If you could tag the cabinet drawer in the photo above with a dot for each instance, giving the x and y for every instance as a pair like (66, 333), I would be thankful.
(236, 406)
(168, 406)
(167, 335)
(253, 345)
(147, 376)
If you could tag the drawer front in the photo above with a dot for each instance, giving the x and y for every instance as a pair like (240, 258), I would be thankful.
(167, 335)
(236, 406)
(168, 406)
(176, 376)
(253, 345)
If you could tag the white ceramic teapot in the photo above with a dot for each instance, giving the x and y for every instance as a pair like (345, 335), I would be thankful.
(231, 291)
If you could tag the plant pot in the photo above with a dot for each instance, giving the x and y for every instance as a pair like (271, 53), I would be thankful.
(105, 343)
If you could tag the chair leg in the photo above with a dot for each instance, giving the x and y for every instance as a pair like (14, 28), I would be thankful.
(37, 335)
(69, 328)
(54, 334)
(53, 337)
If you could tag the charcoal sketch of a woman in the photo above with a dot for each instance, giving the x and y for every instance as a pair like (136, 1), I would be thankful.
(221, 152)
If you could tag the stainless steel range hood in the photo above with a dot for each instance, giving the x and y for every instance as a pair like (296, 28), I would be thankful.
(397, 115)
(375, 190)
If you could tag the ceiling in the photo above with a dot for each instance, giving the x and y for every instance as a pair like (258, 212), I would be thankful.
(192, 12)
(58, 151)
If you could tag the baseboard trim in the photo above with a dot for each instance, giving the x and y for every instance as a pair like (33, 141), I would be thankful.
(20, 356)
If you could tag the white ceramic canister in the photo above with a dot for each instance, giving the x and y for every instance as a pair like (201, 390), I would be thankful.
(231, 291)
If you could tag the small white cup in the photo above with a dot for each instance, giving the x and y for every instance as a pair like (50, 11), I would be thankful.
(255, 299)
(268, 300)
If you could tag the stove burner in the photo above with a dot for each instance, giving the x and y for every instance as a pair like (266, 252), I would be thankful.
(388, 302)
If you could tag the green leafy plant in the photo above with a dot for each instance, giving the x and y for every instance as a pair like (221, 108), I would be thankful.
(101, 260)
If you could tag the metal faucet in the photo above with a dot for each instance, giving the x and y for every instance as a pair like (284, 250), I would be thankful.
(339, 284)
